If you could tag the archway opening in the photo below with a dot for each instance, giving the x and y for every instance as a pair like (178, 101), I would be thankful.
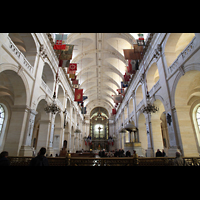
(26, 44)
(186, 98)
(176, 43)
(99, 128)
(152, 76)
(13, 94)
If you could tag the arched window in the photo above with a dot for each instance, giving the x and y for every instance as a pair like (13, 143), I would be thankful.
(2, 117)
(198, 117)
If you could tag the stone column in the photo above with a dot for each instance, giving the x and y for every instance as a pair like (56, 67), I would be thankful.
(57, 140)
(171, 132)
(172, 127)
(43, 136)
(50, 149)
(150, 150)
(72, 143)
(75, 142)
(26, 148)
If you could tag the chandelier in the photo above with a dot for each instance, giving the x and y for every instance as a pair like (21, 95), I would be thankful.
(150, 108)
(52, 107)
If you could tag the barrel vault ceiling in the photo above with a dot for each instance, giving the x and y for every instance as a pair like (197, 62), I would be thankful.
(101, 65)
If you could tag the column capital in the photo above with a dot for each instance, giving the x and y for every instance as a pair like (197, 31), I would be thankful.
(34, 112)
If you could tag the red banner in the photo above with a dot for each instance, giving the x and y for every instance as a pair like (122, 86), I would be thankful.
(78, 96)
(72, 66)
(114, 111)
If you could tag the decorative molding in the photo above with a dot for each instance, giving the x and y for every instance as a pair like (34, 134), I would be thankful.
(158, 51)
(43, 51)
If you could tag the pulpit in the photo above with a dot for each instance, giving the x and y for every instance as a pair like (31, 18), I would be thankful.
(134, 143)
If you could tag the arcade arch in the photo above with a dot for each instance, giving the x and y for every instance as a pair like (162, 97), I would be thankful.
(176, 43)
(26, 44)
(186, 99)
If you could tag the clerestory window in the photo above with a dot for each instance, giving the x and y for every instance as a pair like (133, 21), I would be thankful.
(2, 117)
(198, 117)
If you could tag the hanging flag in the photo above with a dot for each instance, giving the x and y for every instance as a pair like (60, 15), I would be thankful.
(73, 79)
(71, 72)
(64, 63)
(132, 66)
(83, 110)
(141, 36)
(75, 82)
(114, 111)
(76, 86)
(66, 54)
(140, 40)
(72, 76)
(137, 48)
(126, 78)
(117, 98)
(123, 85)
(120, 91)
(60, 41)
(84, 98)
(73, 66)
(78, 96)
(130, 54)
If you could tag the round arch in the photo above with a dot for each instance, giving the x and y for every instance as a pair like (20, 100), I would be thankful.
(184, 91)
(15, 76)
(48, 76)
(26, 43)
(152, 75)
(138, 94)
(174, 44)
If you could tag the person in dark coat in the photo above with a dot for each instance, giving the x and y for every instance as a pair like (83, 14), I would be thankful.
(120, 153)
(116, 154)
(159, 153)
(128, 154)
(3, 159)
(100, 153)
(163, 153)
(103, 153)
(40, 160)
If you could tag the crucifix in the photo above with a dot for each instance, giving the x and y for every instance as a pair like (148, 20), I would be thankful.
(99, 130)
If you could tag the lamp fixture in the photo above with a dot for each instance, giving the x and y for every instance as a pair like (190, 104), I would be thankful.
(52, 107)
(150, 108)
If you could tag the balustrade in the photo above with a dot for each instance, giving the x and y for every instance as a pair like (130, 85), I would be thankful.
(19, 56)
(155, 88)
(46, 88)
(182, 57)
(107, 161)
(140, 105)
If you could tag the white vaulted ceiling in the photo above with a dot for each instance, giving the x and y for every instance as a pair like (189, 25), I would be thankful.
(101, 65)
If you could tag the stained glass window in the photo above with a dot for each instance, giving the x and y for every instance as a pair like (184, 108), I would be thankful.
(198, 117)
(2, 117)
